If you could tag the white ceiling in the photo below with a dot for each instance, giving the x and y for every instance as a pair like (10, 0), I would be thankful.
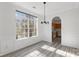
(51, 7)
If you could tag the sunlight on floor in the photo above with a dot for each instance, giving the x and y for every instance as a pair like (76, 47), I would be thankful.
(35, 53)
(44, 46)
(71, 55)
(49, 48)
(60, 52)
(64, 53)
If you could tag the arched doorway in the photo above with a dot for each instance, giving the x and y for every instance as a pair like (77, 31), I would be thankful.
(56, 29)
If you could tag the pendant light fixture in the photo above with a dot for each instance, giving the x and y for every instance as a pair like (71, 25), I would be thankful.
(44, 22)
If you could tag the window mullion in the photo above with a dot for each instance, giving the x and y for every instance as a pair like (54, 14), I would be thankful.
(28, 26)
(24, 28)
(37, 27)
(34, 27)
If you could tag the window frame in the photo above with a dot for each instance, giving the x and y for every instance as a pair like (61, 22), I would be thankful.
(35, 20)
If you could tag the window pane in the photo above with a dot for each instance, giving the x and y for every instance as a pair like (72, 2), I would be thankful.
(35, 26)
(31, 26)
(21, 25)
(31, 22)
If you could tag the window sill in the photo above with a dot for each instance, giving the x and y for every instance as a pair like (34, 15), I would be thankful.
(22, 38)
(33, 36)
(26, 38)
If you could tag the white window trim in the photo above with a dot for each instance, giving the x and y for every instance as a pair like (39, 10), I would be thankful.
(28, 31)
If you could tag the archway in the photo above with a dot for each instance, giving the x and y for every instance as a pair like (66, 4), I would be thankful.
(56, 29)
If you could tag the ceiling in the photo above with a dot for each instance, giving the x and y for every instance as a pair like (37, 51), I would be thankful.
(51, 7)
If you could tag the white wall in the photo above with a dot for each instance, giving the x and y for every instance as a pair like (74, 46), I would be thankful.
(8, 42)
(47, 32)
(70, 29)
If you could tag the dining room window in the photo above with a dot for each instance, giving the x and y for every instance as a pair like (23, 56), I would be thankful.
(26, 25)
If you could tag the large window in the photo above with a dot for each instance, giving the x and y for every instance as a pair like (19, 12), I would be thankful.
(26, 25)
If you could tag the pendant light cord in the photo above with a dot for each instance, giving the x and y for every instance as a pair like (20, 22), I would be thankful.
(44, 10)
(44, 22)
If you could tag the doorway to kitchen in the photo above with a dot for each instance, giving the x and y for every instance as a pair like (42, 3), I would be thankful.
(56, 29)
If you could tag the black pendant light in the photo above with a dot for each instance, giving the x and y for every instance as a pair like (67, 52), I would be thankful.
(44, 22)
